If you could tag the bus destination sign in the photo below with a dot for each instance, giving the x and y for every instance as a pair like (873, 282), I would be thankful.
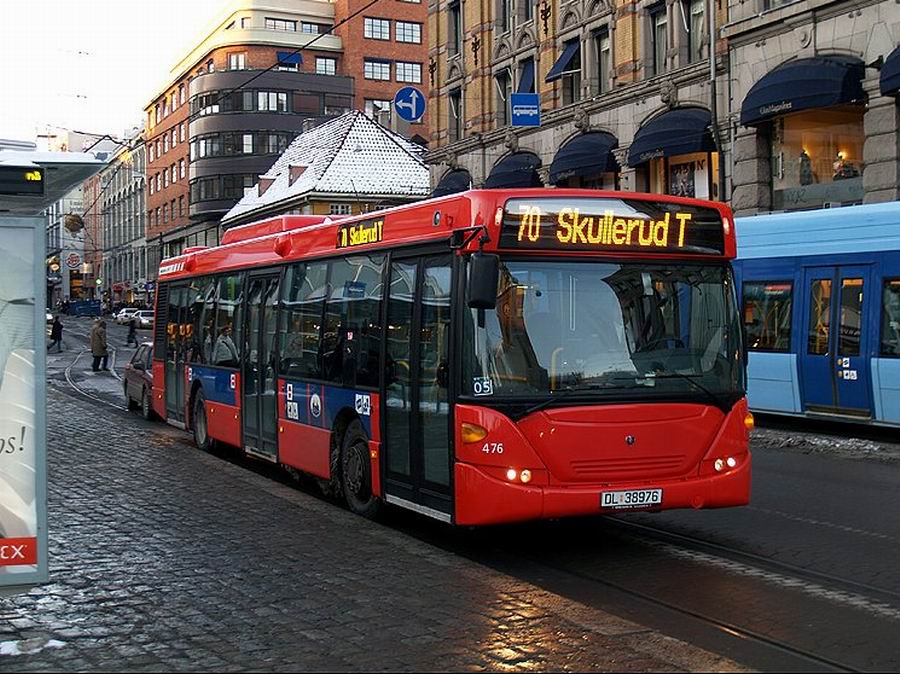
(604, 224)
(354, 234)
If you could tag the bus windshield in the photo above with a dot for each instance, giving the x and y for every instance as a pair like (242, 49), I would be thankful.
(605, 327)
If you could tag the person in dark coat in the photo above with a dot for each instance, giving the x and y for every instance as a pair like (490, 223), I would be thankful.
(98, 345)
(56, 334)
(132, 331)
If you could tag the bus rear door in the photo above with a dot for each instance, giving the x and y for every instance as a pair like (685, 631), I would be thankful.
(176, 348)
(258, 371)
(416, 401)
(834, 356)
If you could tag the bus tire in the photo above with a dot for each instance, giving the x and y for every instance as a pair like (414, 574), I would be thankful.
(200, 425)
(147, 406)
(356, 472)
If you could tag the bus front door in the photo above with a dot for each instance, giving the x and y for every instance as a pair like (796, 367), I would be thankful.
(258, 372)
(416, 404)
(834, 357)
(176, 347)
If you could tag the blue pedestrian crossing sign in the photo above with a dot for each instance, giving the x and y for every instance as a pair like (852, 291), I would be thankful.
(409, 103)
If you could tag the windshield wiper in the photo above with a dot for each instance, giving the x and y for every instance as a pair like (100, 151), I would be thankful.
(691, 379)
(562, 393)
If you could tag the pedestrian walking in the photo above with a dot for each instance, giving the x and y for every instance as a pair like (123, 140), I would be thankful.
(132, 331)
(98, 345)
(56, 335)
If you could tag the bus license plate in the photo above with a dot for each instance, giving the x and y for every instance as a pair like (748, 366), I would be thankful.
(633, 498)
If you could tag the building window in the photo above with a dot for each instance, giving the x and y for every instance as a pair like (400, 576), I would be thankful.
(503, 84)
(237, 61)
(312, 28)
(326, 65)
(503, 10)
(158, 113)
(174, 138)
(603, 61)
(527, 10)
(339, 209)
(696, 24)
(281, 24)
(455, 112)
(455, 28)
(247, 143)
(165, 210)
(174, 170)
(375, 107)
(377, 29)
(377, 70)
(817, 158)
(245, 22)
(180, 207)
(767, 315)
(210, 66)
(181, 168)
(571, 79)
(158, 182)
(150, 186)
(409, 72)
(659, 42)
(181, 131)
(526, 76)
(165, 110)
(272, 101)
(165, 175)
(151, 152)
(409, 32)
(158, 218)
(172, 209)
(165, 142)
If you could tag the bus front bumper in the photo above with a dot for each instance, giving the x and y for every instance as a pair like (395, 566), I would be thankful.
(484, 499)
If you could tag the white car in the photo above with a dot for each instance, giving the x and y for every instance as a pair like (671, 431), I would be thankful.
(125, 315)
(145, 318)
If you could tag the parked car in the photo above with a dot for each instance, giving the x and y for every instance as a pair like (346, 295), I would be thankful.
(125, 314)
(139, 381)
(145, 318)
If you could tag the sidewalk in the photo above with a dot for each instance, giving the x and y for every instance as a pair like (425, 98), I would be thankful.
(164, 558)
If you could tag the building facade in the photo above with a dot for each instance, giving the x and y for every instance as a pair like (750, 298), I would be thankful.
(240, 96)
(129, 260)
(65, 249)
(628, 97)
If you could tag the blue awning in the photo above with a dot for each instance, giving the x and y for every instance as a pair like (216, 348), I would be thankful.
(526, 80)
(288, 57)
(804, 84)
(516, 170)
(890, 74)
(562, 63)
(586, 155)
(672, 133)
(453, 182)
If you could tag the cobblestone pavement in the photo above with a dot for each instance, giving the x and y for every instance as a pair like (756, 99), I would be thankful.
(165, 558)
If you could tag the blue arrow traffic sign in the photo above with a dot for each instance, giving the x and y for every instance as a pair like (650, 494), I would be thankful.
(409, 103)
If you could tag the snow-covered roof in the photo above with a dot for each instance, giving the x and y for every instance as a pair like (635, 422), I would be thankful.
(350, 155)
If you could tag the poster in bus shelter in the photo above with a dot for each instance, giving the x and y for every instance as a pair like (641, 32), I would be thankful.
(23, 531)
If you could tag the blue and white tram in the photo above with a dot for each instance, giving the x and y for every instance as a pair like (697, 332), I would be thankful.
(821, 307)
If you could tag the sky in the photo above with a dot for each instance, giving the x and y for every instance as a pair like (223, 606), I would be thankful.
(90, 65)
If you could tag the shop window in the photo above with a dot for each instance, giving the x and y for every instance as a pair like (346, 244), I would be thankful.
(767, 315)
(693, 175)
(890, 318)
(817, 159)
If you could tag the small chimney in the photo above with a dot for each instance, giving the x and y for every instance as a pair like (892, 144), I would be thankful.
(294, 173)
(265, 184)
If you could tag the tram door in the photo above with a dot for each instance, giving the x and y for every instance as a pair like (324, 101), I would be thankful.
(416, 401)
(258, 371)
(177, 325)
(834, 358)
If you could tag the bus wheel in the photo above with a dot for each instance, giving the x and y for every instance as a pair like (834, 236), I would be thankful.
(200, 425)
(356, 472)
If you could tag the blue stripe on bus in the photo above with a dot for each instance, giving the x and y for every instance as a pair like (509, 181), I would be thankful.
(216, 382)
(331, 400)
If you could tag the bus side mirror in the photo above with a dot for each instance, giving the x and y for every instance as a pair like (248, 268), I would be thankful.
(484, 277)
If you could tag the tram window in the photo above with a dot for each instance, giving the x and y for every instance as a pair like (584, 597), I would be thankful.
(227, 343)
(351, 331)
(301, 323)
(767, 315)
(819, 317)
(851, 316)
(890, 318)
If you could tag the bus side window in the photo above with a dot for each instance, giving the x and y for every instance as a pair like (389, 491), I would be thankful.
(301, 321)
(351, 331)
(226, 342)
(199, 290)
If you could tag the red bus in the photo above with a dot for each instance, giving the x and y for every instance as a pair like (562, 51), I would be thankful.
(491, 356)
